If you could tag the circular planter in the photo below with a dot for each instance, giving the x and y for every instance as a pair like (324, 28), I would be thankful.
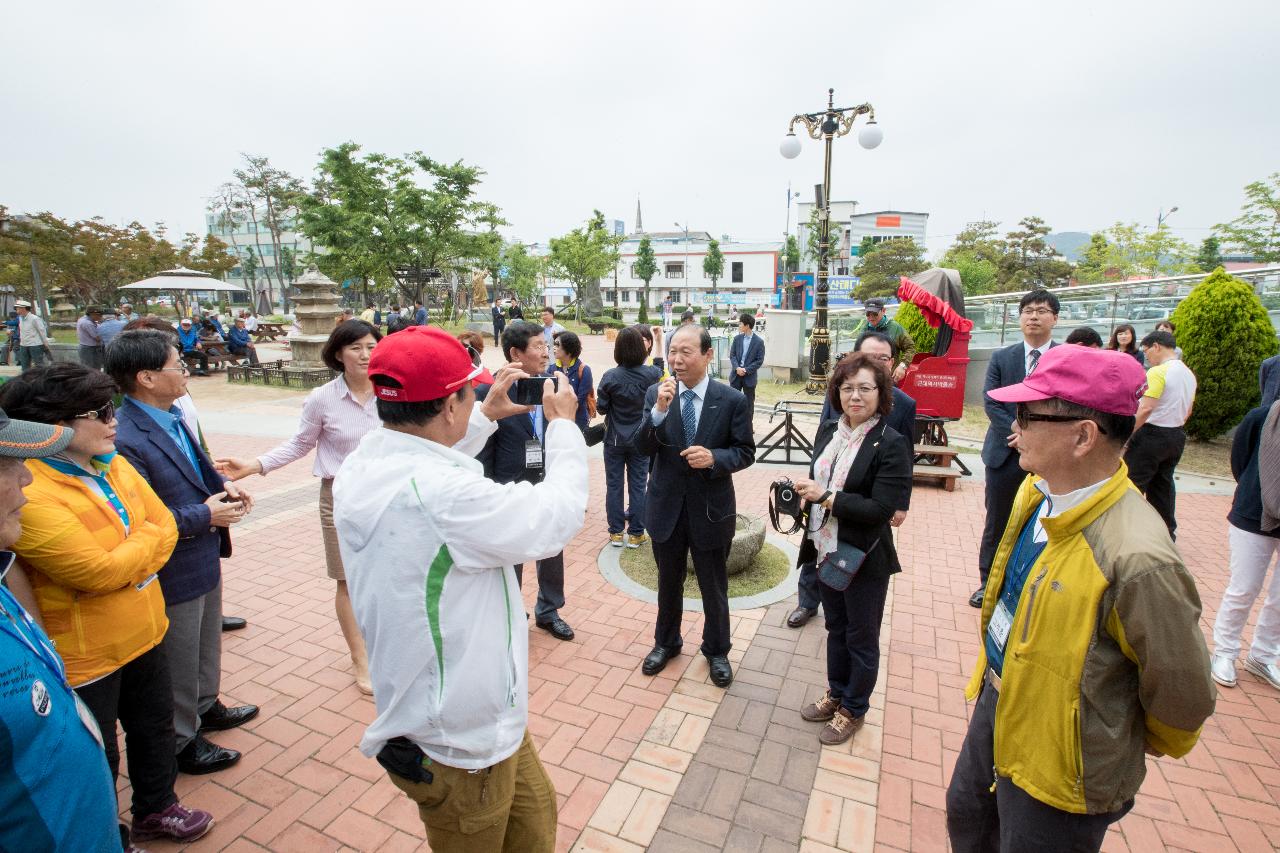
(748, 539)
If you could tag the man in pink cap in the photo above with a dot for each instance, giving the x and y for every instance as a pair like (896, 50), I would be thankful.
(428, 546)
(1092, 656)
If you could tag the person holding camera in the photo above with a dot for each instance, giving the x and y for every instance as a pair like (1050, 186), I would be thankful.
(860, 475)
(427, 545)
(515, 453)
(691, 506)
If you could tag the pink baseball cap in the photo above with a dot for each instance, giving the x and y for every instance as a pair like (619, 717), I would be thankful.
(1106, 380)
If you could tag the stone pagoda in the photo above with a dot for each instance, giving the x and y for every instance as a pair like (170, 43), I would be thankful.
(316, 307)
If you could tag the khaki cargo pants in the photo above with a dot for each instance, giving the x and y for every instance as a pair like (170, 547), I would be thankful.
(510, 806)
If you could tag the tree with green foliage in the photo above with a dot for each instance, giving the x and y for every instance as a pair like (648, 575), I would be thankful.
(1135, 250)
(813, 233)
(408, 223)
(521, 273)
(790, 256)
(910, 318)
(866, 247)
(879, 272)
(645, 268)
(713, 267)
(582, 257)
(1257, 229)
(1028, 261)
(1095, 263)
(975, 254)
(1225, 334)
(1209, 257)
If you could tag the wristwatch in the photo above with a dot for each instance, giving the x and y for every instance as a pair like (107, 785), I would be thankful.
(823, 501)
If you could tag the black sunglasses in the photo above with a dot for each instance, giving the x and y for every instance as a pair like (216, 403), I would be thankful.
(103, 414)
(1024, 417)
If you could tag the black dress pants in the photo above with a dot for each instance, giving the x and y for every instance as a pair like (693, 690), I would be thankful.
(1009, 819)
(1001, 488)
(1152, 456)
(139, 695)
(713, 580)
(550, 587)
(853, 639)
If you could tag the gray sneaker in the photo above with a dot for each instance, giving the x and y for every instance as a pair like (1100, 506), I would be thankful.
(1223, 670)
(1268, 672)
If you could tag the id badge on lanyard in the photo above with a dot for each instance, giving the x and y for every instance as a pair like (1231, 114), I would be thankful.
(533, 455)
(1001, 622)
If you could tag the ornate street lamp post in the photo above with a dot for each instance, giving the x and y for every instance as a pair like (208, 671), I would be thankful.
(826, 125)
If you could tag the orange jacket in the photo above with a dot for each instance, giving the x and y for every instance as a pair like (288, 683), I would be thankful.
(85, 570)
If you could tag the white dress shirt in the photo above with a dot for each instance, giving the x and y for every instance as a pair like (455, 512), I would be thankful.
(699, 397)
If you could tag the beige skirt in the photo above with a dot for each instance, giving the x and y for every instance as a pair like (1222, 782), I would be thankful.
(332, 556)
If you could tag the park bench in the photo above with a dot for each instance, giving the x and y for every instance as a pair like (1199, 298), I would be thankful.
(933, 462)
(268, 332)
(218, 357)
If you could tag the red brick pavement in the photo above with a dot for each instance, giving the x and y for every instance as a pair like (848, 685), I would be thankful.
(302, 785)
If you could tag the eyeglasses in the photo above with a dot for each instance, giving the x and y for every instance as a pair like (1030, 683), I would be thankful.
(182, 368)
(881, 357)
(1025, 417)
(860, 390)
(103, 414)
(1036, 312)
(475, 354)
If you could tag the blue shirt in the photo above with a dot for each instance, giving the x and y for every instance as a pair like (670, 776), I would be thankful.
(238, 337)
(1025, 554)
(171, 423)
(108, 329)
(189, 337)
(55, 789)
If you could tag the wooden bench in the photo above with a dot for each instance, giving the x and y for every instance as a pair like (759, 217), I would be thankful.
(218, 356)
(934, 462)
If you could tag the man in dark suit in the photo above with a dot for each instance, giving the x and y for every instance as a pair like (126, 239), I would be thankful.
(746, 355)
(499, 321)
(514, 454)
(153, 437)
(691, 504)
(1037, 315)
(902, 419)
(1269, 380)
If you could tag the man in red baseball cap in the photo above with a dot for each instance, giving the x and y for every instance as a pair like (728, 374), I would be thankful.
(428, 543)
(1092, 655)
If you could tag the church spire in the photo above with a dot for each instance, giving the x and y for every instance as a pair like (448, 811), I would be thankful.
(639, 221)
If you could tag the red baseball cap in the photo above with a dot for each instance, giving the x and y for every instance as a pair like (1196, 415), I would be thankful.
(428, 363)
(1105, 380)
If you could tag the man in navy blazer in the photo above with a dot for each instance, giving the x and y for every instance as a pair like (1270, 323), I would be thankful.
(153, 437)
(698, 432)
(1037, 315)
(514, 454)
(1269, 380)
(746, 355)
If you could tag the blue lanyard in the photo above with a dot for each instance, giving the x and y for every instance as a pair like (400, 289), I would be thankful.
(1024, 556)
(31, 637)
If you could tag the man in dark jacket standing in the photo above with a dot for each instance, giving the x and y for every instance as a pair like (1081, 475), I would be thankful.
(1037, 315)
(691, 505)
(153, 437)
(746, 356)
(499, 321)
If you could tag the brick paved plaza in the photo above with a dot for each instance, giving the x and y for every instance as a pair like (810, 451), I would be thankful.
(672, 763)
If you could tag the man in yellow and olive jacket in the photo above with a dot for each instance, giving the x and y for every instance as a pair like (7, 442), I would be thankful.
(1092, 655)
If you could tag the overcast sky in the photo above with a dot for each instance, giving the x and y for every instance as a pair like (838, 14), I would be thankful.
(1083, 113)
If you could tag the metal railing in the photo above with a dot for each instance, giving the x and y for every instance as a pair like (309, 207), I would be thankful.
(1140, 303)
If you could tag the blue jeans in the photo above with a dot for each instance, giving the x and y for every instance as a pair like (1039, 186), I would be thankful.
(620, 461)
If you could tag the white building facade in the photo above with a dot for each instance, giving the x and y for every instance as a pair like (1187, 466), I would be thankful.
(848, 228)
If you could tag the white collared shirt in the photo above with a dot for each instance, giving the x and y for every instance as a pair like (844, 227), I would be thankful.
(699, 397)
(1055, 505)
(1026, 352)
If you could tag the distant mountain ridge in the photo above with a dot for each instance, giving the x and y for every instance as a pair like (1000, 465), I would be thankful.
(1070, 244)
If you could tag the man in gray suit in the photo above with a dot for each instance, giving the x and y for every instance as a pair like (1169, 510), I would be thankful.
(1037, 315)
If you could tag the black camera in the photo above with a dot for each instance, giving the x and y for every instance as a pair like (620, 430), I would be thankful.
(784, 500)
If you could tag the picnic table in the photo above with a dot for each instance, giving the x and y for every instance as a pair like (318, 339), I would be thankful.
(268, 331)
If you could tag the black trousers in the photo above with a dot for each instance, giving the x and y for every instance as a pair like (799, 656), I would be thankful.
(750, 393)
(248, 352)
(1001, 489)
(713, 579)
(550, 587)
(199, 355)
(1009, 819)
(853, 639)
(497, 332)
(139, 695)
(1152, 456)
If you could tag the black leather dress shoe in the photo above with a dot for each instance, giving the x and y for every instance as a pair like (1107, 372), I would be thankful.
(557, 628)
(203, 756)
(220, 717)
(975, 600)
(721, 671)
(657, 659)
(800, 615)
(233, 623)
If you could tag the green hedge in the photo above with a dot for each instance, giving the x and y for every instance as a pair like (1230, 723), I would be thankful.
(607, 322)
(910, 318)
(1225, 334)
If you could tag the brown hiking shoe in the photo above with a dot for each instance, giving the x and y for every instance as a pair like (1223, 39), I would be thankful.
(843, 726)
(820, 711)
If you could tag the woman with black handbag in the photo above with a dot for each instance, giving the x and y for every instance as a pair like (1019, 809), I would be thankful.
(859, 476)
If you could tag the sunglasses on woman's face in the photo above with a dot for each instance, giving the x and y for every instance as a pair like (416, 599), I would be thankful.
(103, 414)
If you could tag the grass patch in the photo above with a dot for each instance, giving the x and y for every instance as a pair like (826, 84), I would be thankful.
(769, 569)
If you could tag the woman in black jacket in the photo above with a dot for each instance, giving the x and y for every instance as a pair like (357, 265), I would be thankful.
(861, 473)
(620, 397)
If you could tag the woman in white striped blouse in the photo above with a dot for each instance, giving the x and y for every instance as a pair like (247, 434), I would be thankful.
(334, 419)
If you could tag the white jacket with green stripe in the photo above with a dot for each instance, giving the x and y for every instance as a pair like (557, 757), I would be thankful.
(427, 545)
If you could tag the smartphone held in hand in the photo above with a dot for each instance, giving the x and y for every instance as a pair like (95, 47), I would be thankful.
(529, 391)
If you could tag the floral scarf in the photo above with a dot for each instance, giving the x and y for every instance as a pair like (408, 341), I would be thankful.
(832, 468)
